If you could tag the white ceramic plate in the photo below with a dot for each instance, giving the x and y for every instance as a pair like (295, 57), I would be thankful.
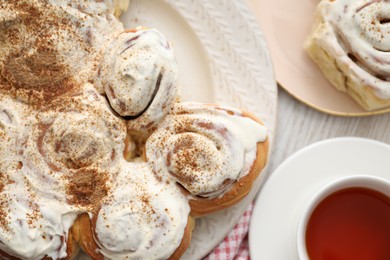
(222, 59)
(286, 24)
(272, 233)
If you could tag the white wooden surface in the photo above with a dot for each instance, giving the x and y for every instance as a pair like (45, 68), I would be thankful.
(299, 125)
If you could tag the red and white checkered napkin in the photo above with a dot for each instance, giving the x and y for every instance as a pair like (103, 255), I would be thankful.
(235, 245)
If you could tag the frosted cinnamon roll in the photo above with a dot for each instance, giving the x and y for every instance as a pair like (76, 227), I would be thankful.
(141, 218)
(138, 74)
(350, 44)
(32, 226)
(81, 132)
(48, 48)
(214, 152)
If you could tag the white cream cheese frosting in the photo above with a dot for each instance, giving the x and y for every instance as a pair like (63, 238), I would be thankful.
(138, 75)
(84, 133)
(76, 34)
(33, 224)
(359, 36)
(142, 218)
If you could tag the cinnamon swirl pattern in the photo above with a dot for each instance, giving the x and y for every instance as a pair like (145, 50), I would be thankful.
(96, 151)
(34, 223)
(205, 148)
(141, 91)
(139, 217)
(350, 44)
(85, 133)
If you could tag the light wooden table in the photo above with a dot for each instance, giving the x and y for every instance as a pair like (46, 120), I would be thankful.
(299, 125)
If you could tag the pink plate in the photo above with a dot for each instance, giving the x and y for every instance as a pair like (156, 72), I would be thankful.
(286, 24)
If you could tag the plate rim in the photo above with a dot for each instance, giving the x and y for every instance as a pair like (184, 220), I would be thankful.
(332, 112)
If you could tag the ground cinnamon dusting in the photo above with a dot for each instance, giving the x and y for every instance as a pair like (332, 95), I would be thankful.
(210, 126)
(87, 187)
(4, 221)
(2, 181)
(33, 70)
(185, 150)
(40, 76)
(35, 214)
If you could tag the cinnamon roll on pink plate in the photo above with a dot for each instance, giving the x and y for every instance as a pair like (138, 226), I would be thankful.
(350, 43)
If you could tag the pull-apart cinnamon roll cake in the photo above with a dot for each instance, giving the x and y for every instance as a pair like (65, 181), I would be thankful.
(350, 42)
(97, 153)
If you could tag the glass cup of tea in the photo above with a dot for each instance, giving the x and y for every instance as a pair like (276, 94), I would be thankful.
(348, 218)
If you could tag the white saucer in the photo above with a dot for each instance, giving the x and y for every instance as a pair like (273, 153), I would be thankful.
(272, 233)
